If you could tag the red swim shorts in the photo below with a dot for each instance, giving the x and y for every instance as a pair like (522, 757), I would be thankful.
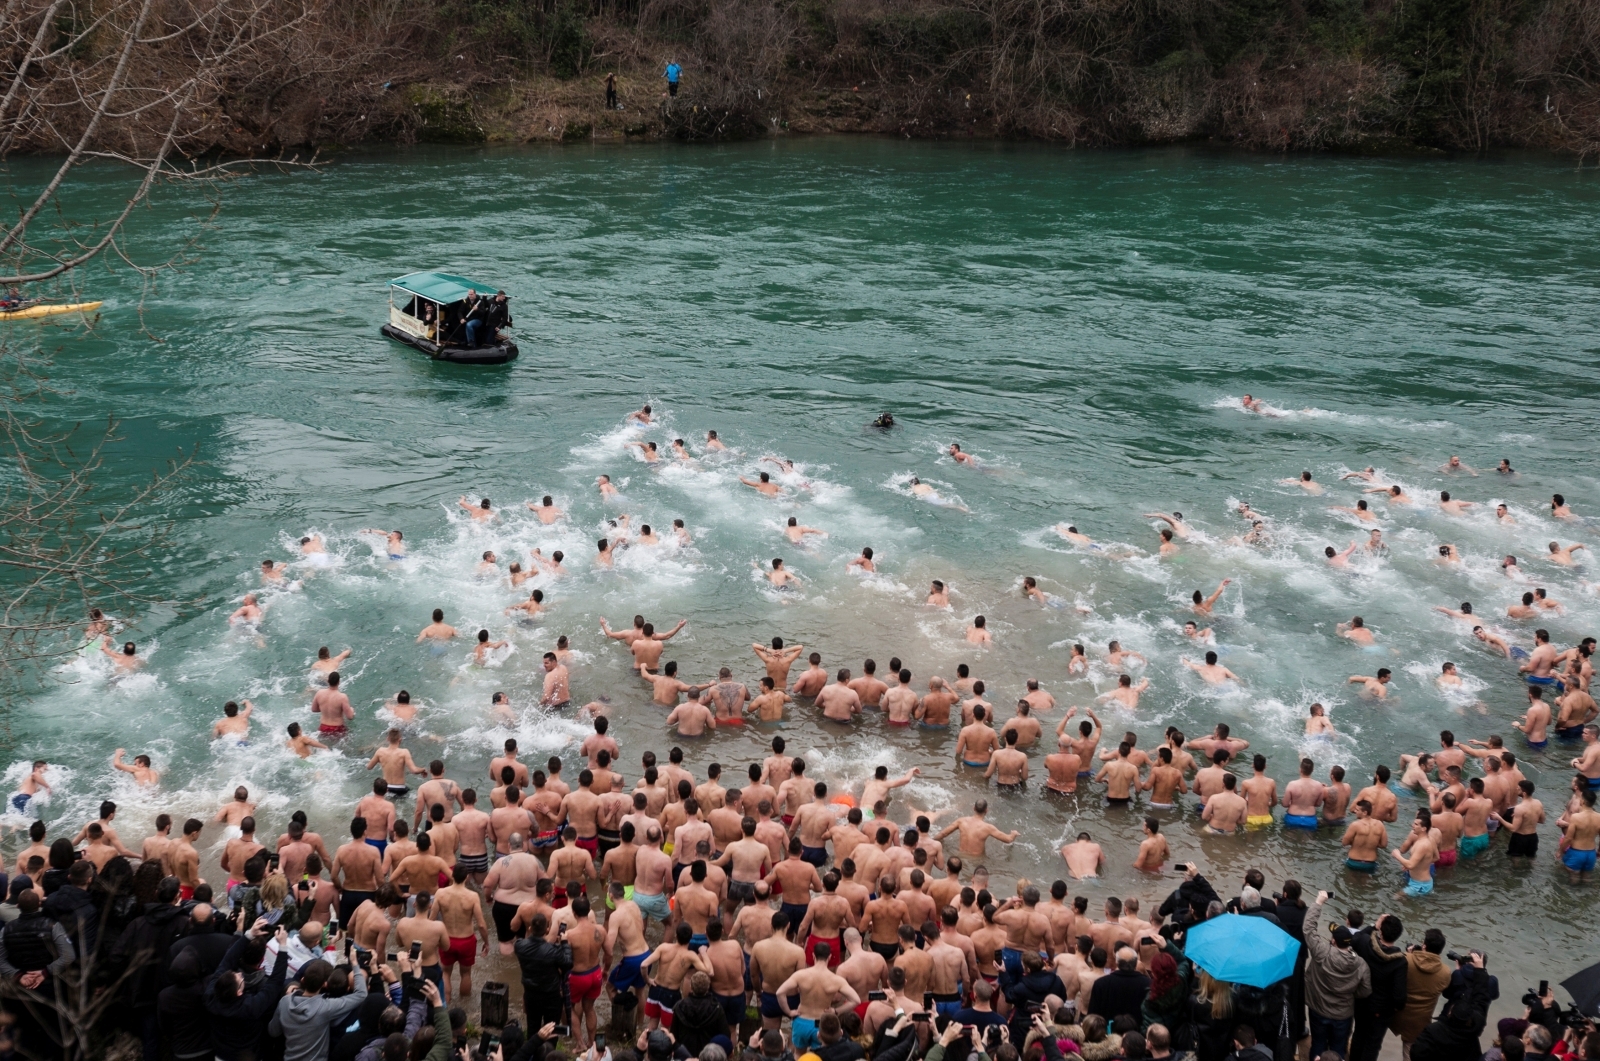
(462, 951)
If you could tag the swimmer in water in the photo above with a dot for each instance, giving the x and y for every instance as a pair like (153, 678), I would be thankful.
(517, 576)
(1453, 507)
(1031, 590)
(607, 491)
(1562, 556)
(488, 564)
(141, 769)
(552, 566)
(1392, 494)
(1366, 474)
(647, 536)
(1338, 559)
(606, 550)
(1509, 567)
(326, 662)
(125, 660)
(1256, 535)
(1361, 511)
(713, 443)
(1448, 678)
(864, 562)
(1203, 605)
(482, 512)
(1305, 482)
(1175, 521)
(680, 449)
(1192, 631)
(681, 532)
(884, 421)
(647, 450)
(1168, 546)
(1126, 693)
(1492, 641)
(1375, 543)
(480, 652)
(960, 457)
(500, 707)
(1525, 610)
(1117, 656)
(1503, 514)
(438, 630)
(938, 595)
(394, 542)
(978, 632)
(1356, 630)
(1558, 507)
(795, 532)
(301, 744)
(235, 720)
(928, 493)
(1449, 554)
(1071, 534)
(763, 485)
(642, 416)
(1078, 662)
(546, 510)
(1549, 604)
(402, 709)
(1464, 615)
(1213, 672)
(1505, 467)
(1317, 723)
(249, 613)
(312, 545)
(272, 572)
(1454, 465)
(1252, 405)
(1376, 687)
(780, 576)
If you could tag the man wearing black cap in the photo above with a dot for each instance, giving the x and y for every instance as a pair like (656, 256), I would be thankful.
(1335, 977)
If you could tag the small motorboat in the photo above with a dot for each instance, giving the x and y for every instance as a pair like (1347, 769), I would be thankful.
(29, 309)
(450, 318)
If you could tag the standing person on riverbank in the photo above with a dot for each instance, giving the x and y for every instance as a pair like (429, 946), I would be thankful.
(611, 92)
(673, 73)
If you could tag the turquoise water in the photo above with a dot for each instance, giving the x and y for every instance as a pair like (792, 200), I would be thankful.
(1083, 323)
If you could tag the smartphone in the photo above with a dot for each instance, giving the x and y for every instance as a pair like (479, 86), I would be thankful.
(919, 1017)
(563, 1030)
(416, 949)
(1146, 941)
(1181, 867)
(347, 942)
(272, 860)
(392, 958)
(877, 996)
(1544, 988)
(927, 1000)
(599, 1043)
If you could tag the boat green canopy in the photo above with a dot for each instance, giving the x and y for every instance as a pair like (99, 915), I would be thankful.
(442, 288)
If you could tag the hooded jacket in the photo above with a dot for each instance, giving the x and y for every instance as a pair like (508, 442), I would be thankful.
(181, 1009)
(304, 1020)
(1426, 977)
(543, 964)
(236, 1025)
(1387, 965)
(142, 949)
(1335, 976)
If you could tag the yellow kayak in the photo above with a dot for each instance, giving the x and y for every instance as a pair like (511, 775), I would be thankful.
(48, 311)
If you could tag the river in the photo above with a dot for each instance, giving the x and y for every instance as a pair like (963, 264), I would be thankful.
(1085, 323)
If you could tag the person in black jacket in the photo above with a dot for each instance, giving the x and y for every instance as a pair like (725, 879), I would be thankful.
(72, 908)
(181, 1010)
(1027, 994)
(1291, 913)
(1121, 991)
(544, 968)
(698, 1017)
(1455, 1034)
(836, 1046)
(240, 1006)
(140, 952)
(1188, 902)
(1387, 962)
(202, 935)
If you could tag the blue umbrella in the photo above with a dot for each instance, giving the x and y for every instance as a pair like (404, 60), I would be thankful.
(1242, 950)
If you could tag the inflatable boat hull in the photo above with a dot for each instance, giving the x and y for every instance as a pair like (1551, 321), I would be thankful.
(47, 311)
(487, 354)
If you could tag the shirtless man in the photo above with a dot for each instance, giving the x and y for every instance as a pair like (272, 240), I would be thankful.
(763, 484)
(1121, 777)
(438, 630)
(1564, 557)
(938, 595)
(480, 513)
(812, 679)
(1213, 672)
(396, 763)
(556, 694)
(1356, 630)
(1117, 656)
(1454, 507)
(1362, 512)
(235, 721)
(933, 710)
(1174, 521)
(1365, 837)
(1541, 662)
(1165, 781)
(1260, 794)
(976, 830)
(977, 743)
(1008, 766)
(1417, 855)
(512, 882)
(248, 613)
(1373, 688)
(1578, 840)
(838, 701)
(1535, 724)
(868, 687)
(1083, 857)
(1302, 798)
(692, 718)
(1383, 802)
(127, 660)
(1225, 811)
(773, 961)
(1084, 745)
(778, 660)
(1305, 482)
(978, 632)
(334, 707)
(1204, 605)
(1024, 725)
(1126, 693)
